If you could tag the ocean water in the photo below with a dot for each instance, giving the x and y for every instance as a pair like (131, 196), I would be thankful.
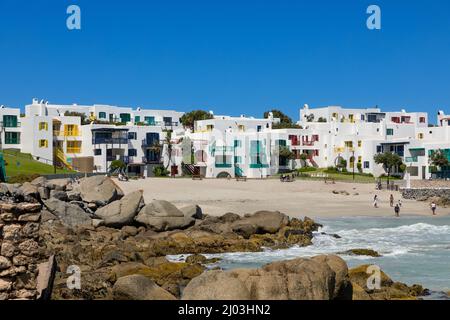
(413, 249)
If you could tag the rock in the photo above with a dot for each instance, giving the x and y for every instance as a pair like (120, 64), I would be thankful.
(47, 216)
(39, 182)
(99, 189)
(74, 195)
(97, 223)
(192, 211)
(58, 194)
(361, 252)
(121, 212)
(298, 279)
(59, 184)
(12, 232)
(161, 215)
(29, 190)
(260, 222)
(44, 193)
(129, 231)
(137, 287)
(196, 258)
(5, 263)
(5, 285)
(230, 217)
(7, 249)
(30, 217)
(69, 214)
(21, 260)
(29, 248)
(216, 285)
(4, 190)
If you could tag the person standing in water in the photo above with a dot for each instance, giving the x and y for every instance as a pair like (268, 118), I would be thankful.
(375, 201)
(433, 207)
(391, 200)
(397, 210)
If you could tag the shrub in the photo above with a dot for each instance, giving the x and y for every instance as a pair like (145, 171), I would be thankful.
(160, 171)
(331, 170)
(306, 169)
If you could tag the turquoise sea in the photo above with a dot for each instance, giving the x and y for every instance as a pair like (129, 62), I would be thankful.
(413, 249)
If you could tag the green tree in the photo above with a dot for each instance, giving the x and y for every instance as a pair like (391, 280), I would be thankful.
(439, 159)
(286, 153)
(168, 142)
(389, 161)
(285, 121)
(117, 165)
(188, 119)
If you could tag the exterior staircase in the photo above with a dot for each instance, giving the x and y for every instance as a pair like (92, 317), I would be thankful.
(61, 157)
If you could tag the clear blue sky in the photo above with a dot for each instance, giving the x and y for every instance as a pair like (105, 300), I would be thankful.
(234, 57)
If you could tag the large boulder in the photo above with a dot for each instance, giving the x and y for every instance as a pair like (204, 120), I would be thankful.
(58, 184)
(298, 279)
(161, 215)
(260, 222)
(69, 214)
(99, 189)
(138, 287)
(192, 211)
(121, 212)
(29, 190)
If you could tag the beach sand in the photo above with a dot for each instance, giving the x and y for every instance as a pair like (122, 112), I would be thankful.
(297, 199)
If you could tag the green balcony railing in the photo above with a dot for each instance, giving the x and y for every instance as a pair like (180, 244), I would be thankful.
(411, 159)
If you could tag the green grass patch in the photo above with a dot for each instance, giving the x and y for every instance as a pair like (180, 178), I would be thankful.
(20, 165)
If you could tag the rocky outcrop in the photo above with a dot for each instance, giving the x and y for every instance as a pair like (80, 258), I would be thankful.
(161, 215)
(122, 212)
(261, 222)
(100, 190)
(69, 214)
(361, 252)
(365, 286)
(320, 278)
(137, 287)
(192, 211)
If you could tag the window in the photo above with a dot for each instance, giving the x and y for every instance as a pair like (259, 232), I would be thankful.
(43, 126)
(359, 159)
(258, 128)
(10, 121)
(209, 127)
(349, 144)
(132, 135)
(379, 149)
(359, 143)
(125, 117)
(97, 152)
(420, 136)
(366, 164)
(149, 120)
(102, 115)
(43, 143)
(390, 132)
(237, 143)
(12, 137)
(238, 159)
(167, 121)
(422, 120)
(70, 130)
(137, 119)
(132, 152)
(241, 128)
(73, 146)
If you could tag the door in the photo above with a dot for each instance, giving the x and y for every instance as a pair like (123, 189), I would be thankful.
(424, 169)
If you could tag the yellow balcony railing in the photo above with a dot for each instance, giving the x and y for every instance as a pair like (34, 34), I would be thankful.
(73, 150)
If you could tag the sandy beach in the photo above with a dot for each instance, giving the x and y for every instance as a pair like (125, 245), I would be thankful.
(297, 199)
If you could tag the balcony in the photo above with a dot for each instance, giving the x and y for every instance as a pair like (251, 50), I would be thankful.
(151, 160)
(148, 143)
(308, 143)
(411, 159)
(9, 124)
(110, 140)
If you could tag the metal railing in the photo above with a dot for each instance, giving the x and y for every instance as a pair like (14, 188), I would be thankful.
(110, 141)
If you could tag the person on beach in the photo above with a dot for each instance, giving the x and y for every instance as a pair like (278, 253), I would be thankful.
(433, 208)
(397, 210)
(400, 203)
(391, 200)
(375, 201)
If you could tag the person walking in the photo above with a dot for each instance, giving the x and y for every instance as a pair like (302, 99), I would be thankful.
(391, 200)
(375, 201)
(397, 210)
(400, 203)
(433, 207)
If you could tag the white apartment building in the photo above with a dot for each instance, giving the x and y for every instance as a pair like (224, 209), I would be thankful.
(10, 126)
(89, 138)
(83, 137)
(356, 135)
